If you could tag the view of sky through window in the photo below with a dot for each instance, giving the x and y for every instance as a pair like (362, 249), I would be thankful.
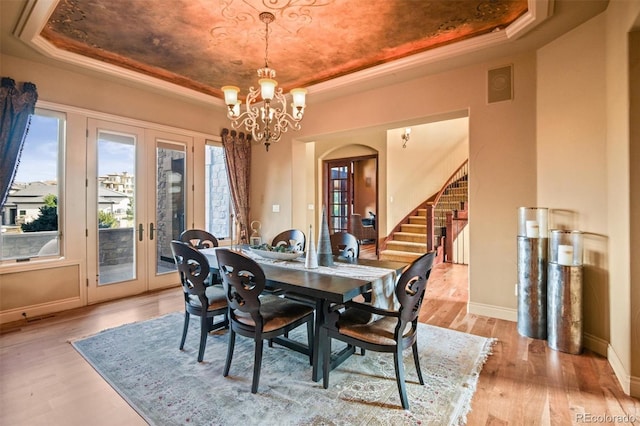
(39, 159)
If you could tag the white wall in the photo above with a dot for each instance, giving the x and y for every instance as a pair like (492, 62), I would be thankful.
(572, 152)
(624, 351)
(584, 171)
(502, 162)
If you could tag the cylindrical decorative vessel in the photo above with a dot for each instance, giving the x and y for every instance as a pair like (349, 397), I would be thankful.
(564, 298)
(533, 222)
(565, 247)
(532, 287)
(532, 271)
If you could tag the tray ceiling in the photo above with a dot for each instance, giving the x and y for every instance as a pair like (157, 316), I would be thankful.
(201, 45)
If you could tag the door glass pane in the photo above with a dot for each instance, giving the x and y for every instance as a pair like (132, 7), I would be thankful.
(338, 198)
(116, 213)
(31, 214)
(217, 201)
(170, 201)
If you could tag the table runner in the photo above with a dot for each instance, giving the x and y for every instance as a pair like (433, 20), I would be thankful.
(383, 280)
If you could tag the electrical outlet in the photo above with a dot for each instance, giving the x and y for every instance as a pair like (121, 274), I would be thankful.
(515, 289)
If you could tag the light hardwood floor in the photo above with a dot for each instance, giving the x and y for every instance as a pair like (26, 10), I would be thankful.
(43, 380)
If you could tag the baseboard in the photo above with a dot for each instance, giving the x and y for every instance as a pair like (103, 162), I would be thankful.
(595, 344)
(634, 387)
(35, 312)
(621, 373)
(492, 311)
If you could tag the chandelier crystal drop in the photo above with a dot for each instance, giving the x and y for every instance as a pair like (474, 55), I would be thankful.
(269, 120)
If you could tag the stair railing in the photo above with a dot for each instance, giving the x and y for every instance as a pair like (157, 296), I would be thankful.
(434, 239)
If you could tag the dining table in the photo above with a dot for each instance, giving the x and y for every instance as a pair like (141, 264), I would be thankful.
(325, 286)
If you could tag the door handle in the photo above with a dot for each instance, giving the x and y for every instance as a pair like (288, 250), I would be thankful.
(140, 232)
(151, 229)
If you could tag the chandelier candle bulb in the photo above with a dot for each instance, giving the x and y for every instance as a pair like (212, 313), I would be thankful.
(298, 98)
(267, 88)
(230, 95)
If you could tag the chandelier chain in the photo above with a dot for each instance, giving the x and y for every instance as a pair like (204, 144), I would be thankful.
(266, 44)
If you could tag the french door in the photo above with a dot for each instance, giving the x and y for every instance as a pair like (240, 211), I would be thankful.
(137, 182)
(339, 194)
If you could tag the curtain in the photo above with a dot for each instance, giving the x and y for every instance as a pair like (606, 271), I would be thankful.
(17, 108)
(237, 155)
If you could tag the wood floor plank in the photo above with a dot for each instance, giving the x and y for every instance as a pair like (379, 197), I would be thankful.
(44, 381)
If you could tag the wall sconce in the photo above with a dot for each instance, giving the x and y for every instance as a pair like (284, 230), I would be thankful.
(405, 136)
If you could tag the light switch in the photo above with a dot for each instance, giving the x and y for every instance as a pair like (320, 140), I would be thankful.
(310, 206)
(275, 208)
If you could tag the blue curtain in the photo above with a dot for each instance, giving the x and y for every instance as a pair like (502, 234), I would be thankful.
(17, 108)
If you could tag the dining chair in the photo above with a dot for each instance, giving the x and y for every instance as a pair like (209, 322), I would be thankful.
(204, 301)
(362, 232)
(345, 245)
(393, 331)
(199, 239)
(291, 237)
(255, 314)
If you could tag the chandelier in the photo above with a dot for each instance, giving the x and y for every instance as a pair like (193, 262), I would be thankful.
(269, 120)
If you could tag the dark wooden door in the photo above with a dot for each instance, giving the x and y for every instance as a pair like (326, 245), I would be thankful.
(339, 194)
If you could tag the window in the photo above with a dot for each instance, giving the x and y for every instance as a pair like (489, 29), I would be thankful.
(217, 200)
(31, 216)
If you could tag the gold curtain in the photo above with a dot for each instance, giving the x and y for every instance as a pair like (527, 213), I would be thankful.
(237, 155)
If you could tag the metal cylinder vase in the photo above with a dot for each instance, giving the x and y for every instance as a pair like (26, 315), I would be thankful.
(532, 287)
(565, 308)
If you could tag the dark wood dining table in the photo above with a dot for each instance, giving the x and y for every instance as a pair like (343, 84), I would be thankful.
(321, 288)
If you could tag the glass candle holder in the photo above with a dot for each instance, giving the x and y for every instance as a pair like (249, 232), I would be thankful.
(533, 222)
(565, 247)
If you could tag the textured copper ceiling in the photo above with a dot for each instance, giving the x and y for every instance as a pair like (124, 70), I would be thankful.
(205, 44)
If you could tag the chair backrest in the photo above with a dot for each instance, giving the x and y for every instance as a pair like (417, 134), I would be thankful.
(291, 237)
(344, 244)
(243, 281)
(199, 238)
(411, 286)
(193, 268)
(356, 224)
(361, 231)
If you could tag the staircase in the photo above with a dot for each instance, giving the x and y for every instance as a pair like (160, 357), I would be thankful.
(412, 237)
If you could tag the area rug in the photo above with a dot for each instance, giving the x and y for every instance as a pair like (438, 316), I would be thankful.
(166, 386)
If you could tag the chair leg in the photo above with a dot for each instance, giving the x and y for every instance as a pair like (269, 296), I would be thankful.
(416, 361)
(230, 344)
(184, 329)
(204, 332)
(257, 365)
(397, 360)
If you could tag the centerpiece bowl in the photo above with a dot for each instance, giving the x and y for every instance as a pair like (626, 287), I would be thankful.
(277, 253)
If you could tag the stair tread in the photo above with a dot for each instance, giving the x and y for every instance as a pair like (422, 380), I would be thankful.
(406, 243)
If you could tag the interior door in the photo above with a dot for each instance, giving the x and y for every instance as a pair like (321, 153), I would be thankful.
(339, 194)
